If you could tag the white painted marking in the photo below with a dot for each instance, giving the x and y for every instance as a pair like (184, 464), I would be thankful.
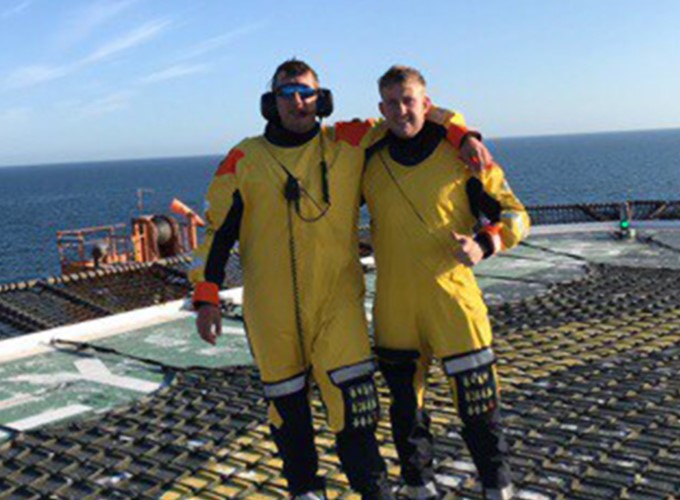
(655, 224)
(161, 340)
(47, 379)
(591, 227)
(94, 370)
(92, 367)
(18, 399)
(585, 227)
(234, 295)
(233, 330)
(48, 417)
(91, 370)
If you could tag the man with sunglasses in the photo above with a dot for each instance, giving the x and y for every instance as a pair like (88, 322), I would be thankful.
(291, 197)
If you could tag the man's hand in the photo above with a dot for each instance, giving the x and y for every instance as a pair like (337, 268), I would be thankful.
(209, 322)
(475, 154)
(469, 253)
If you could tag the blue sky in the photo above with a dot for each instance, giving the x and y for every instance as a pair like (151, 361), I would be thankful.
(108, 79)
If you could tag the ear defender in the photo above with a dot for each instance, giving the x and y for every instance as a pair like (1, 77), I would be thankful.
(324, 105)
(268, 107)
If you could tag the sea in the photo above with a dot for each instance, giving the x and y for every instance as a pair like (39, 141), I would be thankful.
(38, 200)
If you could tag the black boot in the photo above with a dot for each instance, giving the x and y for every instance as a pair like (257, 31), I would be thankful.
(361, 461)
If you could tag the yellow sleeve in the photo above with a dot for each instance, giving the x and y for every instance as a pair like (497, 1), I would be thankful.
(224, 207)
(514, 222)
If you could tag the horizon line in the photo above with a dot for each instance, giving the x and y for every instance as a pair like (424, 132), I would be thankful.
(218, 154)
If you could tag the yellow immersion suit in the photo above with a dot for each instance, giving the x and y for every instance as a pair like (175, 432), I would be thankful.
(328, 273)
(303, 282)
(428, 304)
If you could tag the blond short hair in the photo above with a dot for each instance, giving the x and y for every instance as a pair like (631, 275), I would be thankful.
(399, 75)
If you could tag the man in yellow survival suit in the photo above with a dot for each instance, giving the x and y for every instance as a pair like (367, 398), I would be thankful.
(426, 212)
(291, 197)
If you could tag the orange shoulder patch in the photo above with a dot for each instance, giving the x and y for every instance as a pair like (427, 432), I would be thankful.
(352, 132)
(228, 165)
(455, 134)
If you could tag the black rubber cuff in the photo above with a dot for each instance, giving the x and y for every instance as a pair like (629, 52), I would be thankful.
(485, 243)
(198, 305)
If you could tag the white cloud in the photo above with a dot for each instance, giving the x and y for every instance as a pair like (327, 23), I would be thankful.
(28, 76)
(34, 74)
(220, 41)
(173, 72)
(130, 40)
(88, 20)
(107, 104)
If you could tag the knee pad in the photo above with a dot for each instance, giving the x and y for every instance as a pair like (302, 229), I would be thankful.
(475, 382)
(476, 390)
(359, 394)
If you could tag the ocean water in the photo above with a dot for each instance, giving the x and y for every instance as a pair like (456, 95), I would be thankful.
(36, 201)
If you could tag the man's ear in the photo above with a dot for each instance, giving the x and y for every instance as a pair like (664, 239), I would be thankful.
(427, 102)
(381, 107)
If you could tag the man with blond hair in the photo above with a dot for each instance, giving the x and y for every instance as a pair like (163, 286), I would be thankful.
(432, 220)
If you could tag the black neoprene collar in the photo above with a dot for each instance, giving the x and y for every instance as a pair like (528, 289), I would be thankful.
(280, 136)
(410, 152)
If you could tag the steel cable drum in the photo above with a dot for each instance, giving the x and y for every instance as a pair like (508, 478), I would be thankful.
(164, 232)
(168, 236)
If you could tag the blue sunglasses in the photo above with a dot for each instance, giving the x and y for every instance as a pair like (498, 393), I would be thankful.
(288, 91)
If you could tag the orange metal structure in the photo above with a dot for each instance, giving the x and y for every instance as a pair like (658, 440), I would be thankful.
(152, 237)
(92, 247)
(194, 219)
